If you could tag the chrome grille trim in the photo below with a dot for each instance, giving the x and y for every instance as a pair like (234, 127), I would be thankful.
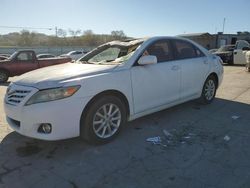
(16, 94)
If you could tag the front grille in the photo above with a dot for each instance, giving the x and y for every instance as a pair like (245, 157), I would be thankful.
(14, 97)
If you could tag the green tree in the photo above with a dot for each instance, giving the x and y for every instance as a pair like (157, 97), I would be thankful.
(118, 35)
(26, 38)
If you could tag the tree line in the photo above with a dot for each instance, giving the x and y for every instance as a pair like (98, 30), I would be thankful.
(85, 38)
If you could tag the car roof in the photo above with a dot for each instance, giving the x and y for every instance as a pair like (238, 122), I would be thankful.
(130, 42)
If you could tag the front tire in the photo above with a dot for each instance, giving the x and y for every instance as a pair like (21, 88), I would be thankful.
(4, 76)
(103, 120)
(209, 90)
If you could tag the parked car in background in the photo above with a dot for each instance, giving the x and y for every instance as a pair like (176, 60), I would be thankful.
(226, 53)
(5, 55)
(242, 47)
(116, 82)
(248, 61)
(234, 54)
(74, 55)
(24, 61)
(42, 56)
(3, 58)
(213, 50)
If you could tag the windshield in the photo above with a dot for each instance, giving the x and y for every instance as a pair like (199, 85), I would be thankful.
(13, 55)
(111, 53)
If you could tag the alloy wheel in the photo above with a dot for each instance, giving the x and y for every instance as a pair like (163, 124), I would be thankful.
(209, 89)
(107, 120)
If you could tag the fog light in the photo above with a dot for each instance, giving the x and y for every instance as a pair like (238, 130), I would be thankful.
(45, 128)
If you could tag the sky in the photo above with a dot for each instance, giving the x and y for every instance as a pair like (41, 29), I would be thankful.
(137, 18)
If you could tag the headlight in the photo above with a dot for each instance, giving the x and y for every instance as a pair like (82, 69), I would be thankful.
(52, 94)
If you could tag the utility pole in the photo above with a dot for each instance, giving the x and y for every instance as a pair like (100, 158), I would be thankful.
(223, 28)
(56, 30)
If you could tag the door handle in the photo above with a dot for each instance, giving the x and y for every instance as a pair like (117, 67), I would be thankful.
(175, 68)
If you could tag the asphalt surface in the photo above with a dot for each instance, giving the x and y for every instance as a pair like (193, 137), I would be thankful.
(203, 146)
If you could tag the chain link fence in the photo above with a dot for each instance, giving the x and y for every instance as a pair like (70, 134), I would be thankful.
(43, 49)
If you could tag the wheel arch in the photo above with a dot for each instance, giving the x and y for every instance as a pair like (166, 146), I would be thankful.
(115, 93)
(7, 72)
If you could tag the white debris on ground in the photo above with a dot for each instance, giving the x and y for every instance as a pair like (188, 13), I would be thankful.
(171, 138)
(235, 117)
(154, 140)
(226, 138)
(167, 134)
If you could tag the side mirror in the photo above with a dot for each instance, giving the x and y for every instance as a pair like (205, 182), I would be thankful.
(245, 48)
(147, 60)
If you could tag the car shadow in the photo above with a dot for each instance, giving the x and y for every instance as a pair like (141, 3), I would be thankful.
(183, 112)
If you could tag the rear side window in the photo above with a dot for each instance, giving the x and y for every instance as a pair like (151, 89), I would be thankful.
(161, 49)
(186, 50)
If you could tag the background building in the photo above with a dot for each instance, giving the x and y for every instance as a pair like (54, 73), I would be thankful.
(212, 41)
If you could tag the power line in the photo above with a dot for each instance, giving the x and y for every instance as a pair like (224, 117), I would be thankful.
(19, 27)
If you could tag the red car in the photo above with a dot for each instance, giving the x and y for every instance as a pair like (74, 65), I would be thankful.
(24, 61)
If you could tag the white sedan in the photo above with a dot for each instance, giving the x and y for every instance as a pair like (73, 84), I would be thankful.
(114, 83)
(74, 55)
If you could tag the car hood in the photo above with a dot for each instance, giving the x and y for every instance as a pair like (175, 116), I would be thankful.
(222, 53)
(55, 76)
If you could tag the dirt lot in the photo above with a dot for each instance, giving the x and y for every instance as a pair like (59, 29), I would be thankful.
(207, 146)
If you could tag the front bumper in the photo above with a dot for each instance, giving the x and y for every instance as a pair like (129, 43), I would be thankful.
(64, 115)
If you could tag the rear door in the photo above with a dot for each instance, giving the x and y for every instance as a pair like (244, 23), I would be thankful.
(156, 84)
(194, 68)
(25, 62)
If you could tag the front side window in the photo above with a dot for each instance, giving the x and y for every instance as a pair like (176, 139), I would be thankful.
(185, 50)
(160, 49)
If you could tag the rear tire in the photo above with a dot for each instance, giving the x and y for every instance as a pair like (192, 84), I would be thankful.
(209, 90)
(103, 120)
(4, 76)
